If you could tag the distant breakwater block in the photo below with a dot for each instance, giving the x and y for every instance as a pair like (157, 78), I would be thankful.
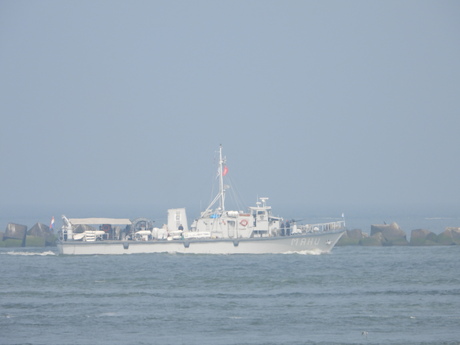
(352, 238)
(16, 235)
(375, 240)
(381, 235)
(16, 232)
(422, 237)
(40, 235)
(392, 235)
(450, 236)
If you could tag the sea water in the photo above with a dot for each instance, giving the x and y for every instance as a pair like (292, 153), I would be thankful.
(354, 295)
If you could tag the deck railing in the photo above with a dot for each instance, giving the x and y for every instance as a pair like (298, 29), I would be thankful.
(322, 227)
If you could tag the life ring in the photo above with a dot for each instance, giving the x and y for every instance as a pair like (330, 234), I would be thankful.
(244, 222)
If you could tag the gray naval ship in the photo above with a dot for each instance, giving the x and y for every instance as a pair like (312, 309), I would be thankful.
(216, 231)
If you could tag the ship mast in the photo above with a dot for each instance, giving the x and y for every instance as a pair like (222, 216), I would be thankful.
(221, 180)
(221, 195)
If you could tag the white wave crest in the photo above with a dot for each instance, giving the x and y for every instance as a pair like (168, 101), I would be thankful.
(47, 253)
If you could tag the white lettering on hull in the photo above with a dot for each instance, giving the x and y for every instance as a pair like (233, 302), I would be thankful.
(302, 242)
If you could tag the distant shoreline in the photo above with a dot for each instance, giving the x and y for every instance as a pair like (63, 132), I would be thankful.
(381, 235)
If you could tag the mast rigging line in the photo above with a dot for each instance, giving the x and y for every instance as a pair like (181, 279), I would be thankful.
(222, 188)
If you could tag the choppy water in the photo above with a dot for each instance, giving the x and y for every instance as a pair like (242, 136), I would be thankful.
(398, 295)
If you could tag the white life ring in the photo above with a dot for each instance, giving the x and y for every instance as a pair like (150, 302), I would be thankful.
(244, 222)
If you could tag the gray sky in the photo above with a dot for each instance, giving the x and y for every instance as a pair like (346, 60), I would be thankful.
(116, 108)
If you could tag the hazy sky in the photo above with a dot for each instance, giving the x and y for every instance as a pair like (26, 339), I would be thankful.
(117, 108)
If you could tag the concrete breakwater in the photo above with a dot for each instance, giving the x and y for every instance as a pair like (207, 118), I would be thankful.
(40, 235)
(18, 235)
(393, 235)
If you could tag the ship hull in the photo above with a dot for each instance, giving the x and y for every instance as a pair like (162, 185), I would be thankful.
(308, 244)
